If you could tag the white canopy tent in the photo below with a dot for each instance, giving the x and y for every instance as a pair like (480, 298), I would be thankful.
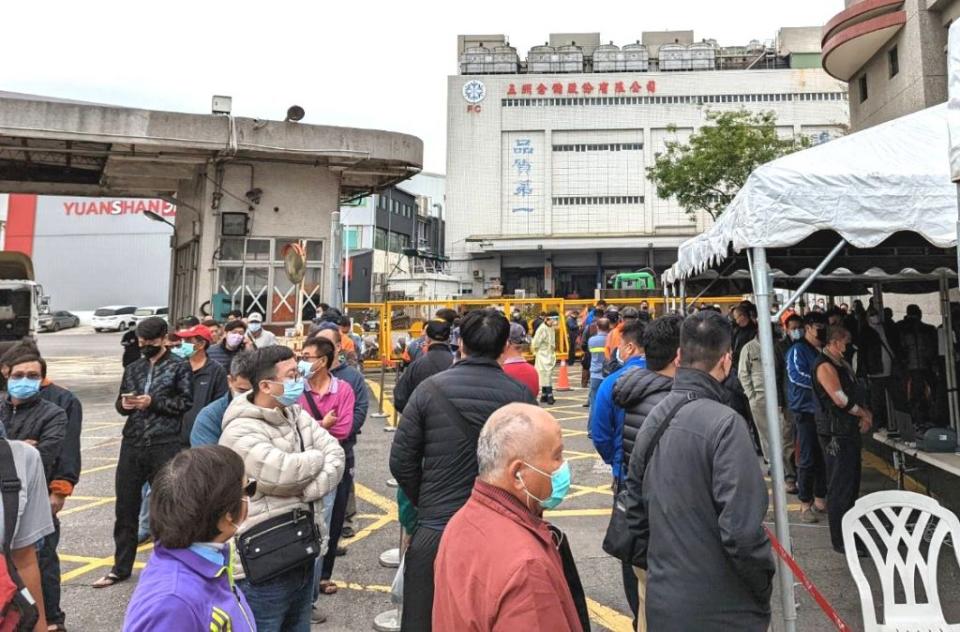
(878, 205)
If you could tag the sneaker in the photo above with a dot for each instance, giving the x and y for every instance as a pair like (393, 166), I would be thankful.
(341, 551)
(347, 532)
(317, 616)
(792, 488)
(820, 510)
(807, 516)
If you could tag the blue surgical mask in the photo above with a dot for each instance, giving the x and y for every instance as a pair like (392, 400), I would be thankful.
(23, 388)
(559, 480)
(306, 369)
(796, 334)
(253, 326)
(185, 350)
(292, 390)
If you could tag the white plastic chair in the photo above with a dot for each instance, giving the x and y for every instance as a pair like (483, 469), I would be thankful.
(895, 519)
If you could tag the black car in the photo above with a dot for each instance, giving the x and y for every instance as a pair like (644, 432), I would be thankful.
(55, 321)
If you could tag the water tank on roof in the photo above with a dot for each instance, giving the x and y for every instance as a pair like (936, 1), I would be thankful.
(541, 59)
(674, 57)
(607, 58)
(755, 45)
(636, 57)
(571, 59)
(703, 56)
(505, 59)
(475, 59)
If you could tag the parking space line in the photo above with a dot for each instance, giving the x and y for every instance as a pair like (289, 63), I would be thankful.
(99, 468)
(102, 445)
(576, 513)
(387, 404)
(608, 617)
(91, 505)
(97, 562)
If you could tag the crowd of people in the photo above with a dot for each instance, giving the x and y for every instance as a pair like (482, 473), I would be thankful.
(237, 460)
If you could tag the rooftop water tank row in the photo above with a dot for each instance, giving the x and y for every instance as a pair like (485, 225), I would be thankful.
(610, 58)
(697, 56)
(549, 59)
(480, 60)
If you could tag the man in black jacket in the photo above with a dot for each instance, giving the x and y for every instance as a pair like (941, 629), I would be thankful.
(209, 378)
(637, 392)
(697, 510)
(155, 393)
(26, 416)
(438, 357)
(434, 452)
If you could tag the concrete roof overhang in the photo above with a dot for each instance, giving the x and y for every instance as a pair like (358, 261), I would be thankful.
(56, 146)
(856, 34)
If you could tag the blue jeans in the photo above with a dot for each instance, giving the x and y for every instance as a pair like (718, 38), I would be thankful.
(595, 383)
(283, 603)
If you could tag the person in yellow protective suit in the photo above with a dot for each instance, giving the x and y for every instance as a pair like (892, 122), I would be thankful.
(544, 348)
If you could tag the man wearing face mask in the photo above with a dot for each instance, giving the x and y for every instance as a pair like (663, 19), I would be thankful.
(209, 378)
(209, 422)
(257, 336)
(295, 463)
(155, 392)
(544, 348)
(234, 334)
(532, 583)
(696, 500)
(811, 471)
(792, 332)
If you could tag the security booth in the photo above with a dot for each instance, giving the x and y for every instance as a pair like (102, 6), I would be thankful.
(870, 210)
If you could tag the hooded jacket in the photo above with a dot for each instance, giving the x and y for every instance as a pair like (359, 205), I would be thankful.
(39, 420)
(697, 515)
(638, 392)
(294, 460)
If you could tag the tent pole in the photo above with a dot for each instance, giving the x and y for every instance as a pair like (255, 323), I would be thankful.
(949, 352)
(803, 286)
(761, 291)
(683, 298)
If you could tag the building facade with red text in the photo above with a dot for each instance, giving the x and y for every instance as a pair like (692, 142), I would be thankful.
(546, 156)
(91, 252)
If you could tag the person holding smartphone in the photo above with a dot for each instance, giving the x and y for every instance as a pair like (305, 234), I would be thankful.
(155, 393)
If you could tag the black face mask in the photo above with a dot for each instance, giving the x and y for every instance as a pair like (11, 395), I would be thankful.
(150, 351)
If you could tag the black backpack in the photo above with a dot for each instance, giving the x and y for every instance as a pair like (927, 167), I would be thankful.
(19, 610)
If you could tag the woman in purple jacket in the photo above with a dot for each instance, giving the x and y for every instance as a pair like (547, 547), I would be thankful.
(198, 501)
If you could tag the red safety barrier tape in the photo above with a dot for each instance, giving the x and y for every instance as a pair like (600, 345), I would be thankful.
(828, 610)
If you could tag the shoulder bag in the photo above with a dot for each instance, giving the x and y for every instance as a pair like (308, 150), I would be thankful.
(280, 544)
(619, 541)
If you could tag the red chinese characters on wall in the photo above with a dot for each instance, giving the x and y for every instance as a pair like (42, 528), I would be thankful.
(583, 88)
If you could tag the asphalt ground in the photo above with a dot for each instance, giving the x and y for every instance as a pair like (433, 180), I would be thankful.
(89, 364)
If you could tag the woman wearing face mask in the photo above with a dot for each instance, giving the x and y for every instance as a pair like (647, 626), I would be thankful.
(296, 463)
(232, 343)
(842, 419)
(198, 503)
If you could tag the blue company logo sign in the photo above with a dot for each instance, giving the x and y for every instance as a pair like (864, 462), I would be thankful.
(474, 91)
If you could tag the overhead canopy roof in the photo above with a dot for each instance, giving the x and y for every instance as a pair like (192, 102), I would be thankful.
(57, 146)
(885, 190)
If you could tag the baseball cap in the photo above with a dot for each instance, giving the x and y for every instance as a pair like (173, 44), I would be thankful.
(518, 335)
(438, 330)
(255, 317)
(197, 331)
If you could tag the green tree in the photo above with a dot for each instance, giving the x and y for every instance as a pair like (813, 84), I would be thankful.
(706, 172)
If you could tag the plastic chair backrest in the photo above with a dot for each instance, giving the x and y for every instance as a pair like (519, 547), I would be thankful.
(892, 527)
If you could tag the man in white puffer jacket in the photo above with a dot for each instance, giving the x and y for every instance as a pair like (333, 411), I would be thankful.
(295, 463)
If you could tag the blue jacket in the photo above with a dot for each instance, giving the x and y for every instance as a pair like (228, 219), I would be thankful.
(208, 424)
(800, 360)
(180, 590)
(606, 420)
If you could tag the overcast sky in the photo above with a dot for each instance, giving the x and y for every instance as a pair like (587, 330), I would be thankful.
(354, 63)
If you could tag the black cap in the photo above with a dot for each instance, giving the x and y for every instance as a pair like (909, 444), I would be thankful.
(630, 312)
(438, 330)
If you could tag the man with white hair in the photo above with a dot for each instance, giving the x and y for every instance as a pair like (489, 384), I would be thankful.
(531, 581)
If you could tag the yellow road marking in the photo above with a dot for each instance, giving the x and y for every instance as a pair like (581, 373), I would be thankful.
(99, 468)
(101, 445)
(97, 503)
(566, 433)
(582, 490)
(380, 502)
(388, 408)
(608, 617)
(877, 463)
(96, 562)
(576, 513)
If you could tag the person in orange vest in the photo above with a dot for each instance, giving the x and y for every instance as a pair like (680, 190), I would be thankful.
(628, 315)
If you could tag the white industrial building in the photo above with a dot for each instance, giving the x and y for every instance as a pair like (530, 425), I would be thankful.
(546, 183)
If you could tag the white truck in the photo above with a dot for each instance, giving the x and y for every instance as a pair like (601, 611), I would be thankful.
(21, 300)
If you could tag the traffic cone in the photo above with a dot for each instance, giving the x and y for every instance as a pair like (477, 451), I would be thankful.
(563, 382)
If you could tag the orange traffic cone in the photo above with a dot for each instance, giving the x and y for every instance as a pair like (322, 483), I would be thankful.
(563, 382)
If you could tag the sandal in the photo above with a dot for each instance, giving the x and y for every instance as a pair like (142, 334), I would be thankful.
(56, 627)
(327, 587)
(108, 580)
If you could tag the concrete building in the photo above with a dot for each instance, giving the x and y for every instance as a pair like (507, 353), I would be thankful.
(547, 190)
(245, 188)
(91, 252)
(892, 53)
(380, 231)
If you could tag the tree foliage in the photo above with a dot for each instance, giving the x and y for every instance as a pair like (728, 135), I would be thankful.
(706, 172)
